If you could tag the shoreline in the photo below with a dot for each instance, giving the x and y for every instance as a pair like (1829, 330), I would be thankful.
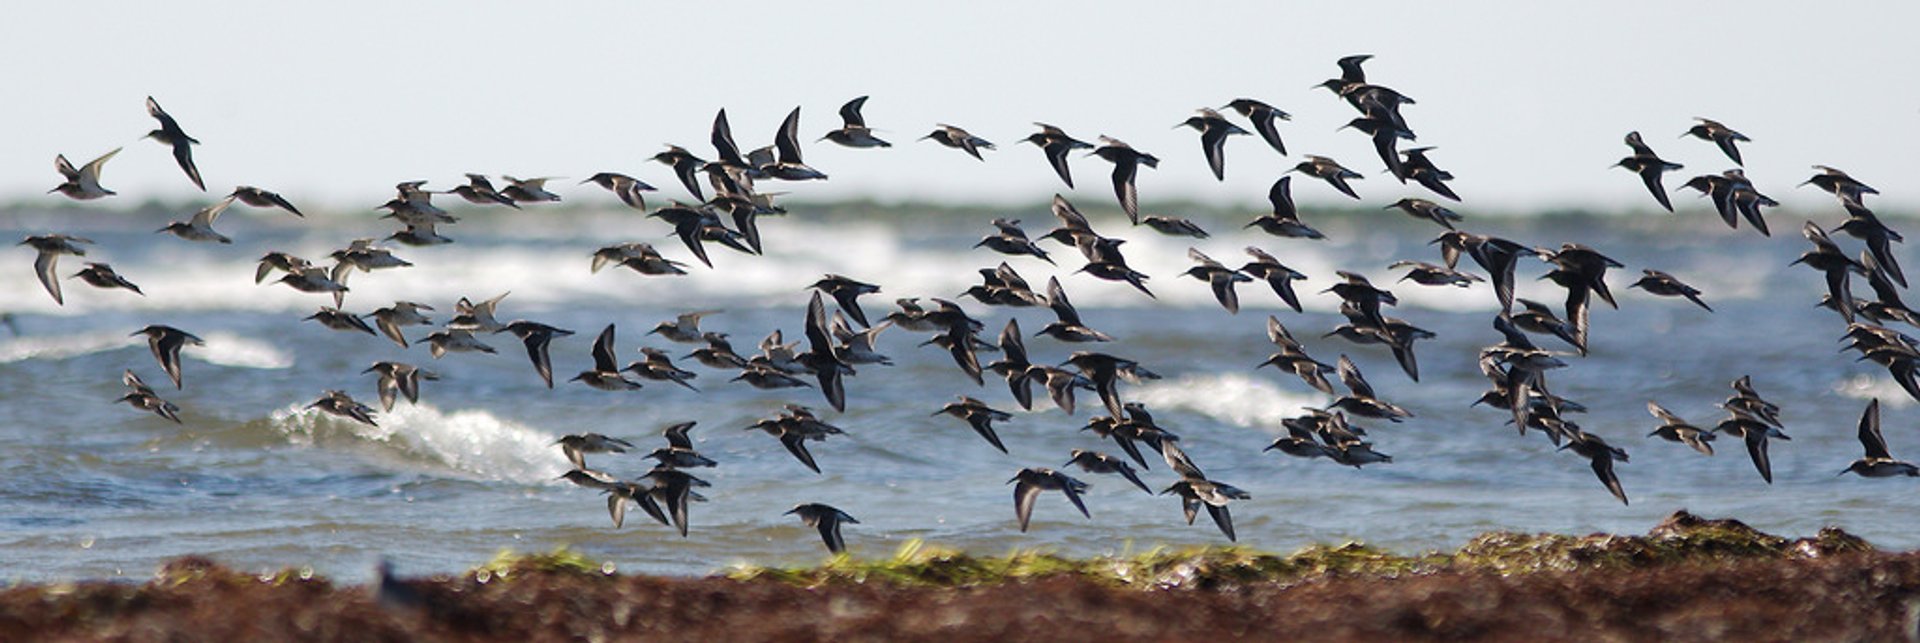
(1688, 577)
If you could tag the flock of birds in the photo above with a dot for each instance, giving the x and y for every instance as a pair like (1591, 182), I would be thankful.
(838, 342)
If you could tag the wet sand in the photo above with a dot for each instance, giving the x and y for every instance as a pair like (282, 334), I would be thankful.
(1688, 579)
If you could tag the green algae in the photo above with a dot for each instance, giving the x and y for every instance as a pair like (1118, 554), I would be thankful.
(1680, 539)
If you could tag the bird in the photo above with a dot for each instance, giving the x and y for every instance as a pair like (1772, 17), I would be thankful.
(577, 446)
(1420, 169)
(853, 131)
(1756, 434)
(1834, 263)
(1660, 283)
(1010, 239)
(1029, 482)
(959, 139)
(684, 165)
(260, 198)
(82, 184)
(1278, 276)
(1263, 116)
(1174, 226)
(1055, 143)
(338, 319)
(606, 372)
(845, 292)
(1427, 210)
(528, 190)
(1877, 463)
(787, 164)
(200, 226)
(1097, 462)
(339, 403)
(1219, 277)
(48, 248)
(1602, 456)
(455, 340)
(143, 397)
(1330, 171)
(1720, 135)
(827, 519)
(1197, 491)
(468, 315)
(658, 366)
(1386, 136)
(399, 379)
(1214, 130)
(479, 189)
(1836, 181)
(1678, 430)
(630, 190)
(537, 337)
(172, 136)
(166, 342)
(979, 416)
(1650, 167)
(684, 328)
(1428, 274)
(1126, 167)
(389, 319)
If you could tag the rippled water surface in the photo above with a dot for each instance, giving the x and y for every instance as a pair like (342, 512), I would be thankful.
(95, 489)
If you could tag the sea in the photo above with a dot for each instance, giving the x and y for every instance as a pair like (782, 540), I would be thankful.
(257, 480)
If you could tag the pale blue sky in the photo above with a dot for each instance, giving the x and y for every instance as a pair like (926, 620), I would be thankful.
(333, 103)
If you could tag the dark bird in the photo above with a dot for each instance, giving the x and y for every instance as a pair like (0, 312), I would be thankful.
(1386, 139)
(1126, 167)
(828, 369)
(1755, 433)
(606, 373)
(1360, 400)
(537, 337)
(46, 262)
(1284, 220)
(658, 366)
(401, 313)
(1420, 169)
(1214, 130)
(826, 519)
(673, 489)
(684, 165)
(143, 397)
(1674, 429)
(1877, 463)
(577, 446)
(959, 139)
(1427, 274)
(854, 131)
(1105, 372)
(1029, 482)
(1328, 170)
(631, 191)
(1219, 277)
(1293, 357)
(1067, 326)
(1862, 224)
(340, 404)
(1174, 226)
(684, 328)
(82, 184)
(979, 416)
(1602, 456)
(172, 136)
(845, 293)
(1660, 283)
(788, 165)
(1829, 259)
(1055, 143)
(166, 342)
(1263, 116)
(1721, 135)
(1650, 167)
(1196, 492)
(398, 379)
(528, 190)
(259, 198)
(479, 190)
(341, 320)
(1428, 211)
(1266, 268)
(1495, 255)
(1010, 239)
(1833, 180)
(1013, 364)
(1097, 462)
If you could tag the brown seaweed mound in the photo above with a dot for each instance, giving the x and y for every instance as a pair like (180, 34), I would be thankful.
(1689, 578)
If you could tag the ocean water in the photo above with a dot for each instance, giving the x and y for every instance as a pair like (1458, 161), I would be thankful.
(254, 479)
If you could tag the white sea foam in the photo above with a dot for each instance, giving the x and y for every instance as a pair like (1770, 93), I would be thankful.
(1862, 387)
(1236, 399)
(228, 349)
(470, 442)
(61, 346)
